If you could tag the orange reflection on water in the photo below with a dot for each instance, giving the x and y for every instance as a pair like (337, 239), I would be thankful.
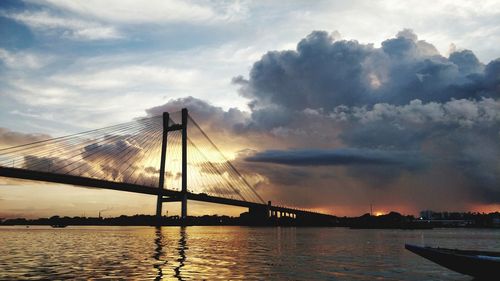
(225, 253)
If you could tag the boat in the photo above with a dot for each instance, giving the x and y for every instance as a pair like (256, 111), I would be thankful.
(58, 225)
(479, 264)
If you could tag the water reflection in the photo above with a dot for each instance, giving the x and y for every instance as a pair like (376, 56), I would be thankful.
(182, 252)
(158, 253)
(227, 253)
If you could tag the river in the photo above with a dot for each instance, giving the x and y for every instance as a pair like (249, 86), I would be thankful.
(228, 253)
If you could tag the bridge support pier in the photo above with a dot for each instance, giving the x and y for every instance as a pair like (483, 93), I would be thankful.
(184, 164)
(161, 183)
(184, 206)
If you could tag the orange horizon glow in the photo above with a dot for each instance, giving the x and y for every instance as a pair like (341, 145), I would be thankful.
(46, 199)
(488, 208)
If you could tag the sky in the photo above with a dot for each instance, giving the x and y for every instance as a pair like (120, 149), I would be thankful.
(325, 105)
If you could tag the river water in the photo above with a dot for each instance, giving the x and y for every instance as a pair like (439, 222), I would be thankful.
(228, 253)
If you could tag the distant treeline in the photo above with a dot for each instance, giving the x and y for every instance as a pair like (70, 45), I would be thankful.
(124, 220)
(391, 220)
(396, 220)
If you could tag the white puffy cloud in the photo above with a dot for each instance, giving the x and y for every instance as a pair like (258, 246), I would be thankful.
(463, 112)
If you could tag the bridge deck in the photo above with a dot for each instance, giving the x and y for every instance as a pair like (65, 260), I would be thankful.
(174, 194)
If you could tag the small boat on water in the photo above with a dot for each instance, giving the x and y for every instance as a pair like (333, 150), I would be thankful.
(479, 264)
(58, 225)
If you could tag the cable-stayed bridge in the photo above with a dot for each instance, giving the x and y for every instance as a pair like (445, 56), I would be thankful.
(168, 156)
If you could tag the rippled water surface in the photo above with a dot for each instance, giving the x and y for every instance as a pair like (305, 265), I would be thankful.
(197, 253)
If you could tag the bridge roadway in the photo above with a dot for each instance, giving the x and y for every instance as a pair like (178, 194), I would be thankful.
(169, 195)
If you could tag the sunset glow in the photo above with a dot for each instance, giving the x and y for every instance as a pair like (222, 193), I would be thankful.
(249, 140)
(379, 127)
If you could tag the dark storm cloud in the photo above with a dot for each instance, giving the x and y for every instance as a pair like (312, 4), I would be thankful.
(409, 126)
(309, 77)
(345, 157)
(407, 119)
(462, 135)
(476, 155)
(401, 96)
(376, 168)
(325, 73)
(466, 62)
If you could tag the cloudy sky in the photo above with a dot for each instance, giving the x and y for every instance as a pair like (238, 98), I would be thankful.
(325, 105)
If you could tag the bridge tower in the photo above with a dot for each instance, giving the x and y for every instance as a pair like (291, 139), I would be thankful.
(183, 197)
(184, 163)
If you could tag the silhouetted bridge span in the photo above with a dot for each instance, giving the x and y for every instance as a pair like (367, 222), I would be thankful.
(133, 157)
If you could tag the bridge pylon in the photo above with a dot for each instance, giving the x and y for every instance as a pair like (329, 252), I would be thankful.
(183, 197)
(184, 164)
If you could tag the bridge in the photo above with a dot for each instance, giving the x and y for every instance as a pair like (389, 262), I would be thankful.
(152, 155)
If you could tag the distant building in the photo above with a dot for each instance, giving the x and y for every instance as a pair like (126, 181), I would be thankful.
(426, 215)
